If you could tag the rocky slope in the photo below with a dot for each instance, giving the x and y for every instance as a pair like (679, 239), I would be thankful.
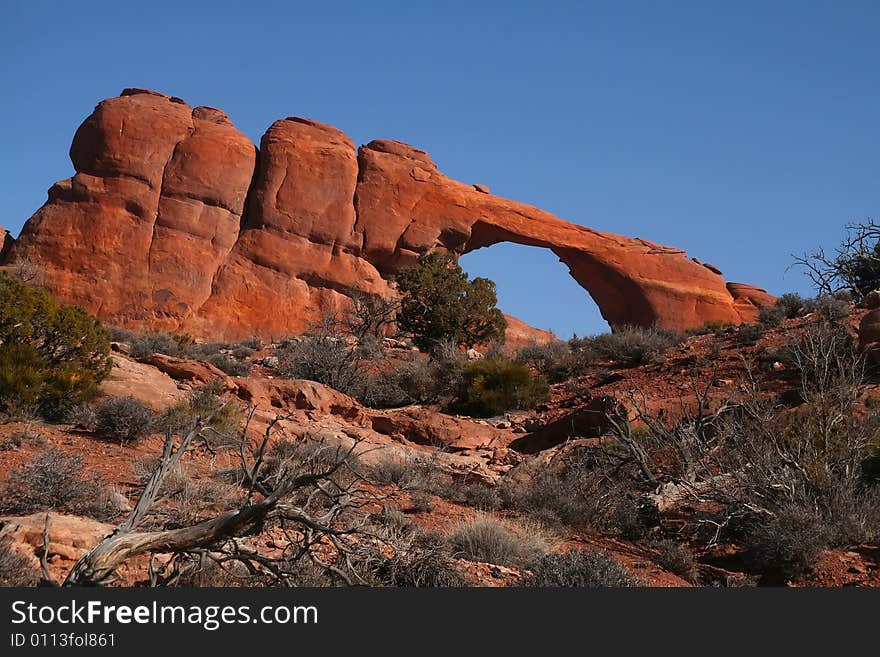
(504, 452)
(175, 220)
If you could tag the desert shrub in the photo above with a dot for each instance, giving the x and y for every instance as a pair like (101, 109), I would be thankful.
(415, 380)
(26, 435)
(542, 356)
(784, 484)
(120, 334)
(207, 573)
(204, 350)
(748, 334)
(228, 365)
(242, 353)
(82, 416)
(15, 568)
(156, 342)
(579, 568)
(52, 355)
(714, 327)
(175, 480)
(634, 345)
(786, 544)
(579, 491)
(394, 470)
(474, 494)
(195, 501)
(421, 501)
(556, 360)
(494, 385)
(369, 316)
(829, 307)
(292, 458)
(788, 306)
(251, 343)
(288, 459)
(678, 559)
(223, 417)
(186, 500)
(394, 519)
(123, 418)
(418, 559)
(492, 541)
(54, 480)
(440, 303)
(325, 358)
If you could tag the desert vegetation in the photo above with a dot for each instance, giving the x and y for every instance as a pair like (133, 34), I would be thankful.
(727, 455)
(52, 355)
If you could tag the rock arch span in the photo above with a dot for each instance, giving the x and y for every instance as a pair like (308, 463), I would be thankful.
(175, 220)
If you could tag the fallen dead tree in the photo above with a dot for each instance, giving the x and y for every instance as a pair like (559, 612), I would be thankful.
(304, 497)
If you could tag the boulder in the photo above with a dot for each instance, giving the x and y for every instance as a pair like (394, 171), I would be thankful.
(869, 335)
(129, 378)
(183, 369)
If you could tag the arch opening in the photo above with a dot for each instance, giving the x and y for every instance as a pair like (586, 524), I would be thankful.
(535, 287)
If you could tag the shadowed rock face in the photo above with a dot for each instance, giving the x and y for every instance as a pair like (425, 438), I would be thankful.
(174, 221)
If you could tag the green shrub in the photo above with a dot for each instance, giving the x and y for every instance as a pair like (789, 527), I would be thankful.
(230, 366)
(579, 568)
(440, 303)
(54, 480)
(52, 355)
(748, 334)
(124, 418)
(204, 402)
(22, 375)
(155, 342)
(788, 306)
(494, 385)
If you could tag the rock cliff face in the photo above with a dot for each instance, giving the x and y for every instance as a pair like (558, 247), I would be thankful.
(6, 242)
(174, 220)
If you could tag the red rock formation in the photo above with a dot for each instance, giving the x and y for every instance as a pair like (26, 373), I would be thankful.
(519, 334)
(748, 300)
(171, 222)
(406, 206)
(297, 253)
(138, 233)
(6, 242)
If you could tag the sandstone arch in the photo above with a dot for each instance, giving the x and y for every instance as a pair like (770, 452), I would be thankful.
(175, 220)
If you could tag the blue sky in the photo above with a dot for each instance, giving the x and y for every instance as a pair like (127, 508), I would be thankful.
(742, 132)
